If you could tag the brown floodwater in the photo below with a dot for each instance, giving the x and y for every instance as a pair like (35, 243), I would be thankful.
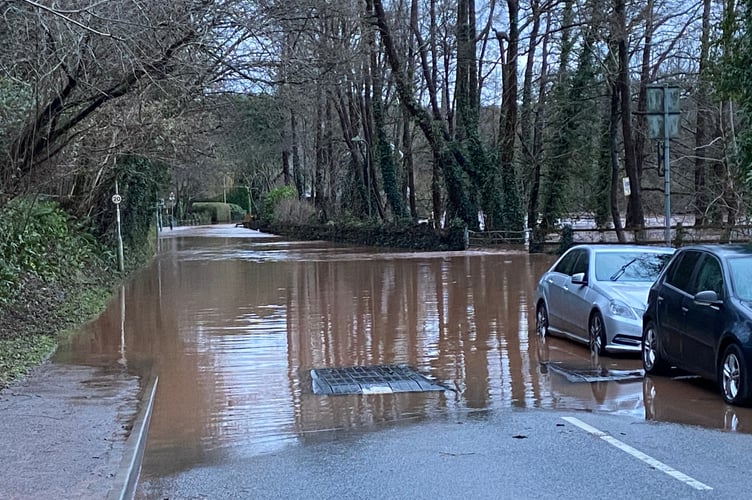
(232, 321)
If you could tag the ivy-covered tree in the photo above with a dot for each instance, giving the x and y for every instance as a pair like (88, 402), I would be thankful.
(734, 76)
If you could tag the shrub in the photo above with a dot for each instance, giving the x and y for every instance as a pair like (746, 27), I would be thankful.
(236, 212)
(41, 239)
(293, 211)
(271, 199)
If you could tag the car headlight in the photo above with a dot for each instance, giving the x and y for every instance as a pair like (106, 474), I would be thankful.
(619, 308)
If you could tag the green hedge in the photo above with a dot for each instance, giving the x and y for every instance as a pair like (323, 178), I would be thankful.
(413, 236)
(217, 211)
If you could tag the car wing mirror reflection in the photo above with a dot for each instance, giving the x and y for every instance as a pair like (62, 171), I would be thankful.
(707, 298)
(579, 279)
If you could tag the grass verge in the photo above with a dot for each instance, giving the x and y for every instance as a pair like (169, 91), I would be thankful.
(19, 355)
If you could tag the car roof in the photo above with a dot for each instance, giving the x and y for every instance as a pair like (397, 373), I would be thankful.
(602, 248)
(723, 249)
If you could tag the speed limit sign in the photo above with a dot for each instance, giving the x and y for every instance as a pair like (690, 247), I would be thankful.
(116, 199)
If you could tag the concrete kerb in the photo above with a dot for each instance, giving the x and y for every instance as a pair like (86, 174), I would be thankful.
(124, 487)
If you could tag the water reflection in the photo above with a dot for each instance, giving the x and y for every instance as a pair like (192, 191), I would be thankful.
(233, 320)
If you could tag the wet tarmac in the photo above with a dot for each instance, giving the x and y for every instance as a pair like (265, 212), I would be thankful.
(233, 321)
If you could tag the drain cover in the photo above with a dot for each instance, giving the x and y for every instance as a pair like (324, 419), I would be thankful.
(382, 379)
(596, 374)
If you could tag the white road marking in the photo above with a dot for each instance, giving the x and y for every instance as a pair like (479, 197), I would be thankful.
(694, 483)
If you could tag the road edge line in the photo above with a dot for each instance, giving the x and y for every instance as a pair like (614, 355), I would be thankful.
(130, 467)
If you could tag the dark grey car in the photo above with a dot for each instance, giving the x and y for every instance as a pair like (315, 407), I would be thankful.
(699, 318)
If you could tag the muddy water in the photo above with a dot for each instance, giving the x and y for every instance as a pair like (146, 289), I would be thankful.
(232, 321)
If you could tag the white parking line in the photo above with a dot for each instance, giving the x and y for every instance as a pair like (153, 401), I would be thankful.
(694, 483)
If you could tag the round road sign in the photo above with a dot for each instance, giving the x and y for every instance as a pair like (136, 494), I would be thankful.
(116, 198)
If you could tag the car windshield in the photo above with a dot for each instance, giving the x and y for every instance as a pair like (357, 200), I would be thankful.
(741, 276)
(629, 266)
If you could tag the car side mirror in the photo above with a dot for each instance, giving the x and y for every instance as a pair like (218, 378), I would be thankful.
(707, 298)
(579, 279)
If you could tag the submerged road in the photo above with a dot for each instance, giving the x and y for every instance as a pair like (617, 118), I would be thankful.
(234, 322)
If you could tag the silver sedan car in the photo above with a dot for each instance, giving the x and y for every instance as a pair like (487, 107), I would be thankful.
(596, 294)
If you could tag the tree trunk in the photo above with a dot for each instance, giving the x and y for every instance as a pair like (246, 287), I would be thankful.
(558, 166)
(384, 152)
(701, 98)
(640, 129)
(613, 132)
(297, 169)
(446, 156)
(528, 167)
(511, 214)
(635, 218)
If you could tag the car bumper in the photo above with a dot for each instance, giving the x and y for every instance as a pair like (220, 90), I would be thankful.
(623, 334)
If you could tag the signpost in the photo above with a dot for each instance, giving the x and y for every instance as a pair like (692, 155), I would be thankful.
(663, 123)
(172, 207)
(116, 199)
(158, 210)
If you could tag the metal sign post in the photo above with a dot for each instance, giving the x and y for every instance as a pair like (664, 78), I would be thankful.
(116, 199)
(158, 227)
(663, 123)
(172, 207)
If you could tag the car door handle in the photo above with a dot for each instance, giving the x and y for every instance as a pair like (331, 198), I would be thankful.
(660, 298)
(550, 281)
(684, 309)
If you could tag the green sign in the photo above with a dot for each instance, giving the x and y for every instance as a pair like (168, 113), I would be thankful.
(658, 94)
(655, 126)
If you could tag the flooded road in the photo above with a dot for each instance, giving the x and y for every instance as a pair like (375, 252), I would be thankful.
(232, 321)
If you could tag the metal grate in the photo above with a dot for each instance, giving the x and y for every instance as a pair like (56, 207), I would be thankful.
(595, 374)
(382, 379)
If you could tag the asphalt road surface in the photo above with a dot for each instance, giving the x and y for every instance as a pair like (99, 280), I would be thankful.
(510, 454)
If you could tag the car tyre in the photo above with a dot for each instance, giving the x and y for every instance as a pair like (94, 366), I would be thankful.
(652, 361)
(541, 320)
(597, 331)
(733, 376)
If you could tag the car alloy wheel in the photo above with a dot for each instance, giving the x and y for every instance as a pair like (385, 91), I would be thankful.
(651, 356)
(733, 376)
(597, 334)
(541, 320)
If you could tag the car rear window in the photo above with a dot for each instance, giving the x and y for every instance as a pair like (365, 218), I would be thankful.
(629, 266)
